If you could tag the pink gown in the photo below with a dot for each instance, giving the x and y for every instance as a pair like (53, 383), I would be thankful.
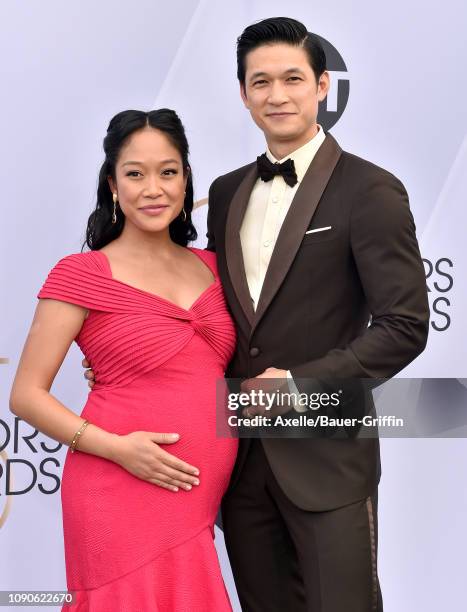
(131, 545)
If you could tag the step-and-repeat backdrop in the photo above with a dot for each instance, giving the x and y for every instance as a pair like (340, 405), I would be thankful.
(397, 98)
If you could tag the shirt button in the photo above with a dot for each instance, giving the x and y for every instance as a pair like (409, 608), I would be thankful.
(267, 243)
(254, 351)
(275, 200)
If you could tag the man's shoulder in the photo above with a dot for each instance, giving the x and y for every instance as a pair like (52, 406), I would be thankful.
(364, 170)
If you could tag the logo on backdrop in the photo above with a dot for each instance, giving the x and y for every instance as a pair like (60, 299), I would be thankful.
(439, 282)
(332, 108)
(32, 462)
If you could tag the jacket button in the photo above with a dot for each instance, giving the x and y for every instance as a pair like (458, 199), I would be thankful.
(254, 351)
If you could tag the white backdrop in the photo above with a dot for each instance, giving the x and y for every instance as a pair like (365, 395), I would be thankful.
(66, 68)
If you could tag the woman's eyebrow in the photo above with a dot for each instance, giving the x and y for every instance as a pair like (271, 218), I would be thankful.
(164, 161)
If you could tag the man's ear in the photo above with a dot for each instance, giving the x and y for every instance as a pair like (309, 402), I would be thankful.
(243, 95)
(323, 85)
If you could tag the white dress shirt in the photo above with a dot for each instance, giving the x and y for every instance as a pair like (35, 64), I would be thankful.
(267, 208)
(268, 205)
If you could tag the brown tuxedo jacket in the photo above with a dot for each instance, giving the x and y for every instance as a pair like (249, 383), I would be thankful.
(348, 302)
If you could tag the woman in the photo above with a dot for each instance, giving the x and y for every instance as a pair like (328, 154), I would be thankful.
(141, 492)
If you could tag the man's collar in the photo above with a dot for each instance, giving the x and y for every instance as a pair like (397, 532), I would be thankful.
(302, 156)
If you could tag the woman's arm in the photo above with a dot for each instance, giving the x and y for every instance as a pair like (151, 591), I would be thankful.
(54, 327)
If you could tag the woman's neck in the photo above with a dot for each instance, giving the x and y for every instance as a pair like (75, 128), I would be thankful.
(133, 242)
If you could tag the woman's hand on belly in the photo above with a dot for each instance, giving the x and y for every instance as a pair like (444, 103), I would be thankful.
(140, 454)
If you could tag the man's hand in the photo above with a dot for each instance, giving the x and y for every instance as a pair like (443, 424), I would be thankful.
(272, 382)
(89, 374)
(273, 373)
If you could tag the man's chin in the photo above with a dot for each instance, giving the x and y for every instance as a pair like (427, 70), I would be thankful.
(285, 135)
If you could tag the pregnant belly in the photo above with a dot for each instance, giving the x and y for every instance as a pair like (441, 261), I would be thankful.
(156, 401)
(158, 405)
(101, 499)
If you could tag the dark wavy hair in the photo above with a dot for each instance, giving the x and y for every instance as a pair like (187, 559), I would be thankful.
(100, 229)
(280, 30)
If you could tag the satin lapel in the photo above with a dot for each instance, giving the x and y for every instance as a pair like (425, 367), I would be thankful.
(233, 246)
(298, 218)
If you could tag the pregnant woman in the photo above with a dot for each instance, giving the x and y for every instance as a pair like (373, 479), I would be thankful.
(145, 472)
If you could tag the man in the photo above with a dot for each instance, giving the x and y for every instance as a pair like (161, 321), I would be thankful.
(306, 257)
(309, 251)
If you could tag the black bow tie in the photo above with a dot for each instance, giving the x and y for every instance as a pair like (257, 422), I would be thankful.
(267, 170)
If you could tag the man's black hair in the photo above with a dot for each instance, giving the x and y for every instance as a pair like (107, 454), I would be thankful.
(279, 30)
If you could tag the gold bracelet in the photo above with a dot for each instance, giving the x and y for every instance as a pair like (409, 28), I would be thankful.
(74, 442)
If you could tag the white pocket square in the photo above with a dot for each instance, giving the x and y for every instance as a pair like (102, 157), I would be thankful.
(319, 229)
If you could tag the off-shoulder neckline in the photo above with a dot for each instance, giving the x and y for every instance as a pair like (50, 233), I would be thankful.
(106, 260)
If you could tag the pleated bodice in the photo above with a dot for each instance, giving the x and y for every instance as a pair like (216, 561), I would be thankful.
(130, 332)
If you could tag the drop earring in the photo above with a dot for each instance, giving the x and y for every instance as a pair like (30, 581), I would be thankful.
(114, 214)
(184, 211)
